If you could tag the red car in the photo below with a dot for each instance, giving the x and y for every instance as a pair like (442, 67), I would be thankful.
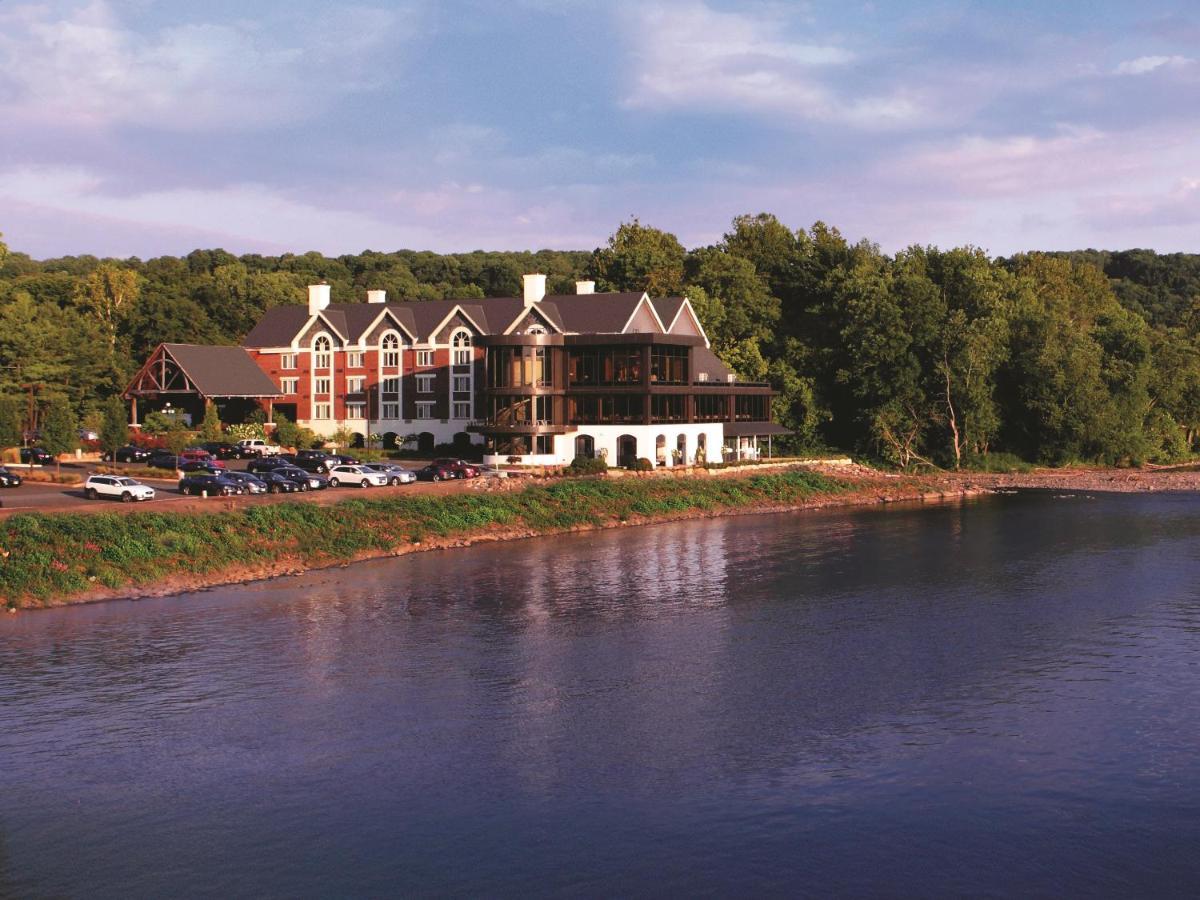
(460, 467)
(198, 456)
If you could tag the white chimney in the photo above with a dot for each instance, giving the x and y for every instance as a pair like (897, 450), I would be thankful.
(377, 296)
(318, 298)
(535, 288)
(585, 287)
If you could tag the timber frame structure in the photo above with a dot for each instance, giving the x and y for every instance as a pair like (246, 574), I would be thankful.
(194, 373)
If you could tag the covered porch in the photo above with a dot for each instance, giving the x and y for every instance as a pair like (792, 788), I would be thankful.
(185, 379)
(751, 440)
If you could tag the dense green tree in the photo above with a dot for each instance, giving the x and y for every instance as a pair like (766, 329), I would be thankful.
(639, 258)
(59, 427)
(12, 412)
(115, 432)
(211, 428)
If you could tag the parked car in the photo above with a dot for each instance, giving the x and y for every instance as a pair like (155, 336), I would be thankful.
(117, 486)
(36, 456)
(129, 453)
(395, 474)
(223, 450)
(359, 475)
(460, 467)
(278, 483)
(163, 459)
(313, 460)
(9, 479)
(308, 481)
(267, 463)
(435, 472)
(252, 483)
(258, 447)
(197, 460)
(342, 459)
(218, 485)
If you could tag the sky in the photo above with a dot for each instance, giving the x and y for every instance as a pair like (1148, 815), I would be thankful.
(150, 127)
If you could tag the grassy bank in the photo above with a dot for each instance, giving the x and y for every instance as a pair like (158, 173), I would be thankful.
(59, 557)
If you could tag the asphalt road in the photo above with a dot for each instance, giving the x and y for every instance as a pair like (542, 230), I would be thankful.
(34, 496)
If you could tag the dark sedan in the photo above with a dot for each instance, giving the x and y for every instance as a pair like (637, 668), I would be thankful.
(215, 485)
(308, 481)
(252, 483)
(9, 479)
(268, 464)
(435, 472)
(163, 459)
(36, 456)
(223, 450)
(277, 483)
(129, 453)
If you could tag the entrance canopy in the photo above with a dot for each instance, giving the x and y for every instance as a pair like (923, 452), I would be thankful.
(196, 372)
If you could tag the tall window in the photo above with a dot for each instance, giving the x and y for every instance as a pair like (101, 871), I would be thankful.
(390, 386)
(424, 384)
(354, 359)
(356, 410)
(391, 410)
(322, 411)
(424, 357)
(354, 384)
(461, 344)
(462, 410)
(321, 352)
(462, 384)
(424, 410)
(289, 385)
(391, 351)
(322, 386)
(287, 360)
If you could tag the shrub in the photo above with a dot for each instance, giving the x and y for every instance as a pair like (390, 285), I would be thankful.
(642, 465)
(587, 465)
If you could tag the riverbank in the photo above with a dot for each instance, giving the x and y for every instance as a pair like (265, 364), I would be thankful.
(62, 558)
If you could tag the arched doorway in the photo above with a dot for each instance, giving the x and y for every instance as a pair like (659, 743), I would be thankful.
(425, 442)
(626, 450)
(358, 441)
(660, 450)
(389, 440)
(462, 441)
(701, 448)
(681, 456)
(585, 446)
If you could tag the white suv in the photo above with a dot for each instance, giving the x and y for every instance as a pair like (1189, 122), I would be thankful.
(356, 475)
(119, 486)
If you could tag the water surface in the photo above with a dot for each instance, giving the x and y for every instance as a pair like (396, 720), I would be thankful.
(997, 698)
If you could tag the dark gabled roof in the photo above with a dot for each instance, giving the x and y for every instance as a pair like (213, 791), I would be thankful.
(222, 371)
(590, 313)
(277, 327)
(667, 308)
(706, 362)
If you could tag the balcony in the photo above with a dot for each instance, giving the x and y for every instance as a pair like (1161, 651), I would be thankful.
(528, 426)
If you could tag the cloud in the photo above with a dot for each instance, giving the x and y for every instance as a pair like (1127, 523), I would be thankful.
(1145, 64)
(72, 65)
(687, 55)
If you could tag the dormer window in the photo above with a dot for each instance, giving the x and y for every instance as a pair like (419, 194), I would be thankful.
(461, 344)
(322, 355)
(390, 347)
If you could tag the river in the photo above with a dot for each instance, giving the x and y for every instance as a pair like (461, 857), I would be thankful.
(993, 698)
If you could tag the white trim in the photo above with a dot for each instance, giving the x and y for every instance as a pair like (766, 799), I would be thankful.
(646, 300)
(342, 338)
(442, 324)
(387, 312)
(695, 320)
(525, 313)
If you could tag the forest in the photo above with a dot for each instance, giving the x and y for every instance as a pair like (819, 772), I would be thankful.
(925, 357)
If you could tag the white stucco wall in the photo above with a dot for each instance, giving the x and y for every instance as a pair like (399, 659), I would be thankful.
(606, 438)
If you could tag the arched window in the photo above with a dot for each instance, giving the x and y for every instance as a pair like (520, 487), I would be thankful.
(390, 347)
(460, 341)
(322, 357)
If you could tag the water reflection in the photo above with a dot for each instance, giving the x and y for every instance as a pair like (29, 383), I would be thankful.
(986, 696)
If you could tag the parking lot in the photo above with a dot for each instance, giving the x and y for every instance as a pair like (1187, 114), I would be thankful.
(41, 497)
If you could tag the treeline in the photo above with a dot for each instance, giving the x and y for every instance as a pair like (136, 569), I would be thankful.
(948, 357)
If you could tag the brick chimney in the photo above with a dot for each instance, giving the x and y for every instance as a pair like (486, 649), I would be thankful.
(318, 298)
(535, 288)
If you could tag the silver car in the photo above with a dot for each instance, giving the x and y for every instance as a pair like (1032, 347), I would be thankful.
(359, 475)
(395, 474)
